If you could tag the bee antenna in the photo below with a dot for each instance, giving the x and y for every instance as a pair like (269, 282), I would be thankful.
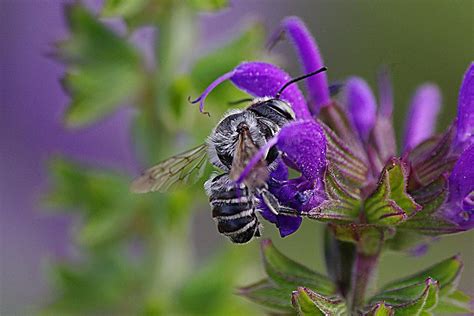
(240, 101)
(278, 94)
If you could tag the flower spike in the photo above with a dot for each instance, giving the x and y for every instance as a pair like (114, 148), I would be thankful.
(421, 120)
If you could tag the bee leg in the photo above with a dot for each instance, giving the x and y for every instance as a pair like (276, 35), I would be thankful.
(270, 201)
(284, 210)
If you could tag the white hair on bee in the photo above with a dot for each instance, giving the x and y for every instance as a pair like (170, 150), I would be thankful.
(224, 136)
(224, 183)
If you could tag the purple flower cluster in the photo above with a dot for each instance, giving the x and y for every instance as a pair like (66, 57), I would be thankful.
(303, 143)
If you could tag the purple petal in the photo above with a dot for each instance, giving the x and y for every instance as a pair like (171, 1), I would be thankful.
(264, 80)
(465, 117)
(311, 59)
(303, 145)
(286, 224)
(422, 115)
(261, 80)
(361, 106)
(460, 205)
(211, 87)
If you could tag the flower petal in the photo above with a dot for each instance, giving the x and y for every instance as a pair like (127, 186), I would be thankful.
(465, 117)
(286, 224)
(460, 205)
(311, 59)
(303, 145)
(421, 120)
(261, 79)
(264, 80)
(361, 106)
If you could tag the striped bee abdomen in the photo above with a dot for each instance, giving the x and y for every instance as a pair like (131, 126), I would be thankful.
(233, 209)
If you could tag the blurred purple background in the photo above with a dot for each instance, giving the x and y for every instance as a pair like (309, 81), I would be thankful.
(32, 103)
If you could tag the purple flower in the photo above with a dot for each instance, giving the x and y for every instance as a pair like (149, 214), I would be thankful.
(421, 120)
(346, 156)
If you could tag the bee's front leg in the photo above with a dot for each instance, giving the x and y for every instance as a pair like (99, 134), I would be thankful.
(274, 205)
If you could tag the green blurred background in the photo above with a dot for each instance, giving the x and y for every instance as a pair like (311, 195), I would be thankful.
(107, 252)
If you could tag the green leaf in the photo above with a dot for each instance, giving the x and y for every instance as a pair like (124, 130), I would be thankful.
(103, 69)
(446, 272)
(204, 292)
(267, 293)
(390, 204)
(407, 295)
(101, 196)
(208, 5)
(423, 304)
(310, 303)
(105, 284)
(288, 273)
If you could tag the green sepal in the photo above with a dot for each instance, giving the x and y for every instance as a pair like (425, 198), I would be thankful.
(104, 70)
(433, 225)
(390, 204)
(369, 238)
(268, 294)
(310, 303)
(343, 203)
(288, 273)
(430, 160)
(343, 154)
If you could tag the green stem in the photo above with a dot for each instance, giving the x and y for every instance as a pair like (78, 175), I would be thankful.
(363, 274)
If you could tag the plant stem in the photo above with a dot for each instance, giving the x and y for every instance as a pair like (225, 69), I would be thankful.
(363, 274)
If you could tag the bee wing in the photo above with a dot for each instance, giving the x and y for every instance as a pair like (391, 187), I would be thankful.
(244, 152)
(182, 168)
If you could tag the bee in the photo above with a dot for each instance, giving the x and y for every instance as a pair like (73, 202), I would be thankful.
(237, 137)
(233, 142)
